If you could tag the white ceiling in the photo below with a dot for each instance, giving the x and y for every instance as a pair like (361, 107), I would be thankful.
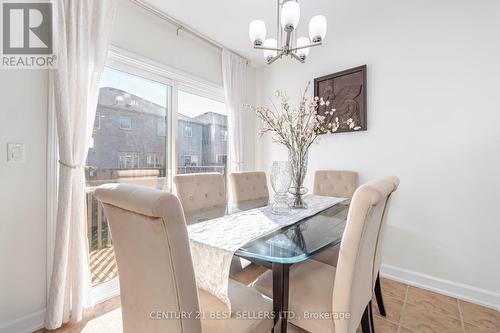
(226, 21)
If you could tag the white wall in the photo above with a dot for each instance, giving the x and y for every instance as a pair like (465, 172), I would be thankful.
(433, 80)
(23, 118)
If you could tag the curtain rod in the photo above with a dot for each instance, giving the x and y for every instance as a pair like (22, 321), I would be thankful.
(182, 26)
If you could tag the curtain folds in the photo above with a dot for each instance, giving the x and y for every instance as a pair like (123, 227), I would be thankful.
(234, 79)
(82, 31)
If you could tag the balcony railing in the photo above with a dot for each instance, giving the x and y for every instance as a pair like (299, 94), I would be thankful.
(97, 224)
(195, 169)
(101, 256)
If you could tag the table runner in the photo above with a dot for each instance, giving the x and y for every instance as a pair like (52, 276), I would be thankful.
(214, 242)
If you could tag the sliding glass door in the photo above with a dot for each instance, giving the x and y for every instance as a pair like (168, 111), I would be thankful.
(130, 144)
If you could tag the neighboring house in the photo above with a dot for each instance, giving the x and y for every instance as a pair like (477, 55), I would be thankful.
(215, 133)
(130, 133)
(190, 132)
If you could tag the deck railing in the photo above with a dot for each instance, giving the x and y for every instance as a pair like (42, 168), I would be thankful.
(102, 261)
(97, 224)
(202, 168)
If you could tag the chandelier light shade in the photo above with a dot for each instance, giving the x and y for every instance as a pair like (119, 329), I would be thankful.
(290, 15)
(270, 43)
(257, 32)
(285, 44)
(317, 28)
(303, 51)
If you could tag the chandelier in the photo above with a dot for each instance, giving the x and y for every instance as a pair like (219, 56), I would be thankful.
(288, 19)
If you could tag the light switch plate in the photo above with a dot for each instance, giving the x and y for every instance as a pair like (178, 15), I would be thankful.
(15, 152)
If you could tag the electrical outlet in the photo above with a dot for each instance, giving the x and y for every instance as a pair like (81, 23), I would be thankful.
(15, 152)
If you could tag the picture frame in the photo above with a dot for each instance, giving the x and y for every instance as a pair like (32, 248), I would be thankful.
(345, 92)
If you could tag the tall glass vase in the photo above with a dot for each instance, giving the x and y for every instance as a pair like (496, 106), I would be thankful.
(280, 180)
(298, 163)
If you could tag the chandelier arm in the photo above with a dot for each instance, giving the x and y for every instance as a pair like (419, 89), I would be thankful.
(297, 58)
(268, 48)
(305, 46)
(276, 57)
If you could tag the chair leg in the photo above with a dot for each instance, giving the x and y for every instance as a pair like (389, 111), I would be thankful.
(366, 325)
(378, 295)
(372, 321)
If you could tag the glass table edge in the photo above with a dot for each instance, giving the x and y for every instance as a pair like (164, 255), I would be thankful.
(291, 260)
(297, 259)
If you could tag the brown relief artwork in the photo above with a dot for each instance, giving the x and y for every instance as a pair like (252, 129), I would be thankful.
(345, 92)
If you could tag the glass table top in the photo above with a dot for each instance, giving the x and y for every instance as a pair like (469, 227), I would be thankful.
(291, 244)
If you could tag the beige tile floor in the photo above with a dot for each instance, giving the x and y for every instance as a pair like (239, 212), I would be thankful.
(409, 310)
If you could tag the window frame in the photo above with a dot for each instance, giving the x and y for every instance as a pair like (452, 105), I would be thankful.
(135, 64)
(186, 131)
(120, 118)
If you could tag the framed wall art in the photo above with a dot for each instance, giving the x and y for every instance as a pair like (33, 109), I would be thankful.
(346, 93)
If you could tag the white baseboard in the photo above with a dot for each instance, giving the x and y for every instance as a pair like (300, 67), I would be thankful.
(27, 324)
(446, 287)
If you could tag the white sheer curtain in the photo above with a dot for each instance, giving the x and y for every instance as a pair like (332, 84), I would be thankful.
(81, 37)
(234, 78)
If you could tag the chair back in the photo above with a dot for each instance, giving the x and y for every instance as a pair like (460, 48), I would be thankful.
(153, 256)
(199, 191)
(335, 183)
(354, 278)
(379, 248)
(249, 186)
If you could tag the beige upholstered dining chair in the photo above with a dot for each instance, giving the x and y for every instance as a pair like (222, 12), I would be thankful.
(351, 283)
(334, 183)
(249, 186)
(199, 191)
(341, 183)
(157, 283)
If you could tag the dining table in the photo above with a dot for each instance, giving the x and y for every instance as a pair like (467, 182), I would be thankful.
(287, 246)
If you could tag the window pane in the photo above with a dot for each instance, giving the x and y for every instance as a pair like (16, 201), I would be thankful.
(202, 134)
(129, 146)
(125, 122)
